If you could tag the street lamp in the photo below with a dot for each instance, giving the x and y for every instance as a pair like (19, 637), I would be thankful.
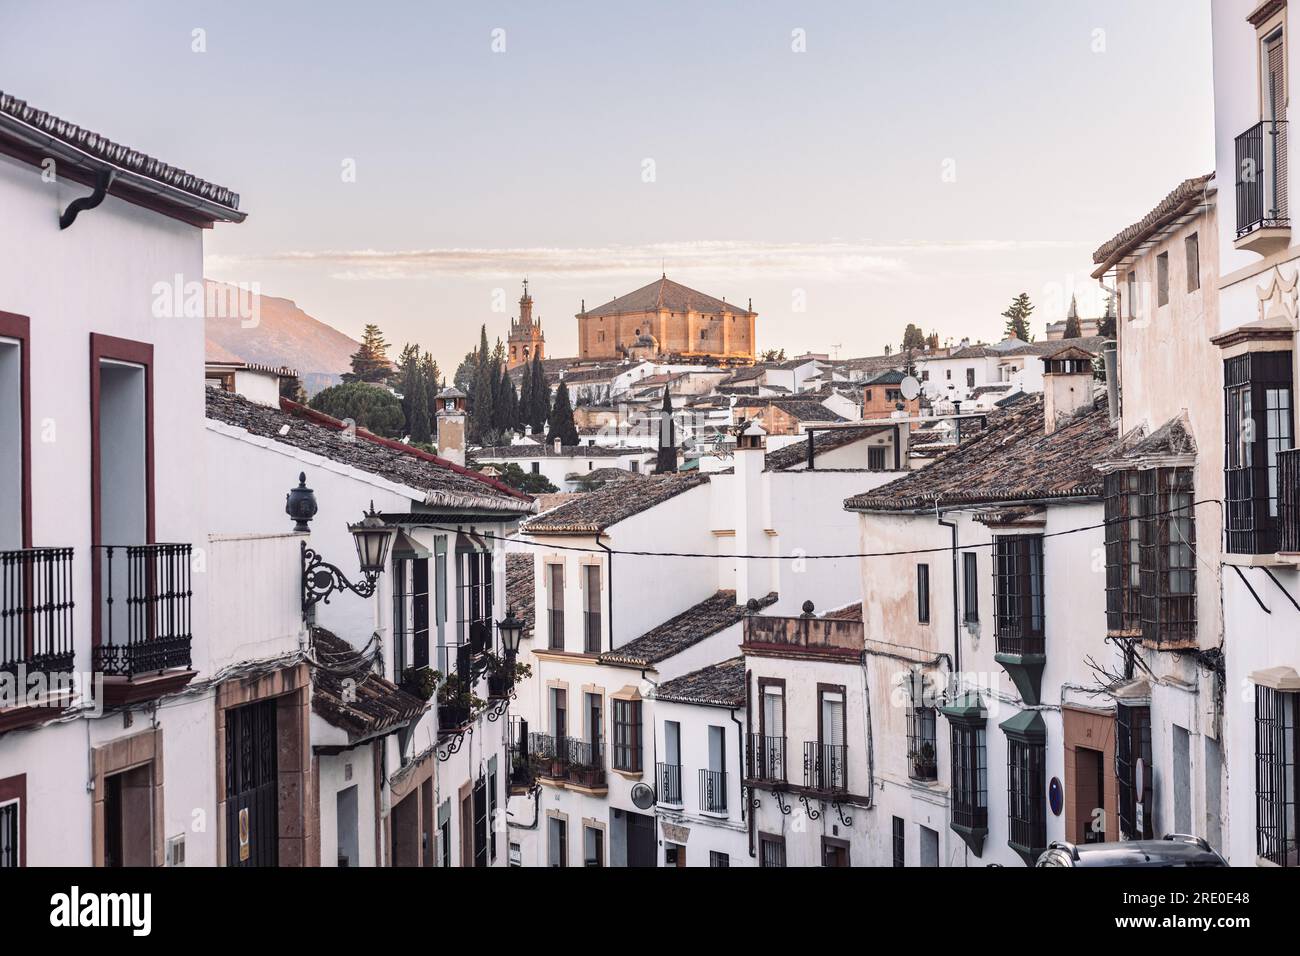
(511, 629)
(320, 579)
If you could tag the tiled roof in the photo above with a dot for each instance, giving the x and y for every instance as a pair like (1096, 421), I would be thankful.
(667, 295)
(1012, 459)
(445, 484)
(891, 376)
(801, 409)
(595, 511)
(796, 453)
(520, 587)
(850, 612)
(1173, 439)
(37, 129)
(347, 693)
(1185, 196)
(547, 450)
(718, 685)
(687, 629)
(598, 477)
(1089, 343)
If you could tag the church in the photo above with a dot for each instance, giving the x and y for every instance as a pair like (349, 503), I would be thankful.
(666, 319)
(525, 338)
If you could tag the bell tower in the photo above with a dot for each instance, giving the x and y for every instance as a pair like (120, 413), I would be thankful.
(526, 338)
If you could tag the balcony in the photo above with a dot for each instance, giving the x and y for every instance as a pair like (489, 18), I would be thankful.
(1263, 224)
(825, 767)
(1288, 500)
(766, 760)
(522, 772)
(713, 792)
(586, 764)
(1019, 618)
(669, 778)
(143, 623)
(35, 624)
(550, 756)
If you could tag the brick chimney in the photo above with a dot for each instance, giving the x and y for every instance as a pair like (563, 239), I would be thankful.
(1067, 385)
(451, 425)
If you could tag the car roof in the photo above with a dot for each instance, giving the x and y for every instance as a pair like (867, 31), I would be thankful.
(1171, 851)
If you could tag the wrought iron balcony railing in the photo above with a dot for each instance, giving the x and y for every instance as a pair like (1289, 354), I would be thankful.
(586, 762)
(1262, 177)
(713, 791)
(825, 767)
(143, 621)
(1288, 500)
(766, 759)
(36, 610)
(669, 778)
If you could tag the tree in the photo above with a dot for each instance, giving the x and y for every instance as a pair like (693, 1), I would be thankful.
(370, 360)
(1072, 329)
(540, 403)
(291, 388)
(913, 337)
(506, 411)
(481, 414)
(429, 375)
(525, 481)
(1017, 316)
(1106, 327)
(562, 426)
(667, 460)
(774, 355)
(523, 412)
(368, 406)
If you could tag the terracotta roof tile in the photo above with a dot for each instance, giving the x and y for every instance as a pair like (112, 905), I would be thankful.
(718, 685)
(594, 511)
(667, 295)
(713, 614)
(520, 587)
(348, 694)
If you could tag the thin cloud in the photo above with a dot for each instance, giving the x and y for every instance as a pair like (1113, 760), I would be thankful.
(829, 260)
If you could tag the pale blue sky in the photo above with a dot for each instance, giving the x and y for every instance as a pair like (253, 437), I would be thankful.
(776, 173)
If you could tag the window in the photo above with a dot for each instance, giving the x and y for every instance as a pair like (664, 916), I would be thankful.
(440, 599)
(444, 831)
(559, 714)
(713, 781)
(627, 735)
(970, 586)
(1167, 556)
(923, 593)
(825, 762)
(948, 374)
(772, 850)
(1130, 283)
(1162, 279)
(1276, 744)
(555, 605)
(899, 829)
(970, 378)
(970, 788)
(767, 747)
(922, 754)
(537, 468)
(591, 613)
(492, 808)
(868, 394)
(1123, 559)
(479, 808)
(516, 857)
(558, 842)
(1192, 245)
(473, 594)
(1018, 560)
(1257, 426)
(410, 613)
(1026, 796)
(593, 846)
(876, 458)
(717, 860)
(13, 796)
(835, 853)
(925, 375)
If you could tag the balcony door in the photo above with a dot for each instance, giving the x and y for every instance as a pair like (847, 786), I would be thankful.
(15, 444)
(831, 734)
(1273, 96)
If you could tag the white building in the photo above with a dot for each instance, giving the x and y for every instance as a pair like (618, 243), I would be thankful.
(1258, 261)
(557, 462)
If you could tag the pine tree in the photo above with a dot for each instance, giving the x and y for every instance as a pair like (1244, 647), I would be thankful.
(913, 337)
(409, 381)
(1017, 316)
(562, 426)
(1072, 329)
(370, 360)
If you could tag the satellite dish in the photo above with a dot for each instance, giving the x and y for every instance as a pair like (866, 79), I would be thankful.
(643, 795)
(910, 387)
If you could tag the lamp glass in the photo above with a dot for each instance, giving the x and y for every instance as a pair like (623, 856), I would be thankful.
(372, 539)
(512, 632)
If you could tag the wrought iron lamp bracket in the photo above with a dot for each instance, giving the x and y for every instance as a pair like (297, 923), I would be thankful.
(812, 814)
(780, 802)
(844, 818)
(454, 742)
(320, 579)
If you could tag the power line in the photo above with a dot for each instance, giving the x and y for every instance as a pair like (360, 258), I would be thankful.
(943, 549)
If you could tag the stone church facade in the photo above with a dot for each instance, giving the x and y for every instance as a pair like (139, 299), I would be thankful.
(666, 319)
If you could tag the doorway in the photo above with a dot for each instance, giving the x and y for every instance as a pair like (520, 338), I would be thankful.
(252, 797)
(1089, 796)
(128, 817)
(641, 848)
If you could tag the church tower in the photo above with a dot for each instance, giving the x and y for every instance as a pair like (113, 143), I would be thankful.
(526, 338)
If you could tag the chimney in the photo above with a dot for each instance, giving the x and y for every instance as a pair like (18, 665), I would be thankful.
(753, 577)
(667, 461)
(559, 446)
(1110, 356)
(1067, 385)
(451, 425)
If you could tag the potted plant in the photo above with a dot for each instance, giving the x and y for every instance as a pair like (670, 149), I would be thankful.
(457, 703)
(419, 682)
(924, 764)
(502, 676)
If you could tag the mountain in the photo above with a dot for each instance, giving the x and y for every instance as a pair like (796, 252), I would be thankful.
(284, 335)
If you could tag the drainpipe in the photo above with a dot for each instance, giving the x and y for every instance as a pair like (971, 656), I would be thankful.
(740, 735)
(956, 623)
(749, 709)
(610, 590)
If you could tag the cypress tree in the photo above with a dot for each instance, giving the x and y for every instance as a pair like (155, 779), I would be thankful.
(667, 438)
(540, 402)
(562, 426)
(524, 411)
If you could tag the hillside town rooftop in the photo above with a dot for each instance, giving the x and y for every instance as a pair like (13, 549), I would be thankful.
(1011, 459)
(796, 453)
(444, 483)
(594, 511)
(520, 596)
(687, 629)
(718, 685)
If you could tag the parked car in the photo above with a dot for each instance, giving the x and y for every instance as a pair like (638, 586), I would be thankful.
(1176, 849)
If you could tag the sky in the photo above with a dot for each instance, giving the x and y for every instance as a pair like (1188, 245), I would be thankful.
(848, 167)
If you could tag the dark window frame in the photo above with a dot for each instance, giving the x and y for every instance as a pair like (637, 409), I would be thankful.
(922, 593)
(1162, 279)
(1167, 555)
(969, 772)
(771, 850)
(1277, 717)
(898, 831)
(1133, 743)
(591, 616)
(1123, 504)
(922, 732)
(1258, 409)
(1192, 247)
(1026, 793)
(1020, 594)
(628, 735)
(970, 587)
